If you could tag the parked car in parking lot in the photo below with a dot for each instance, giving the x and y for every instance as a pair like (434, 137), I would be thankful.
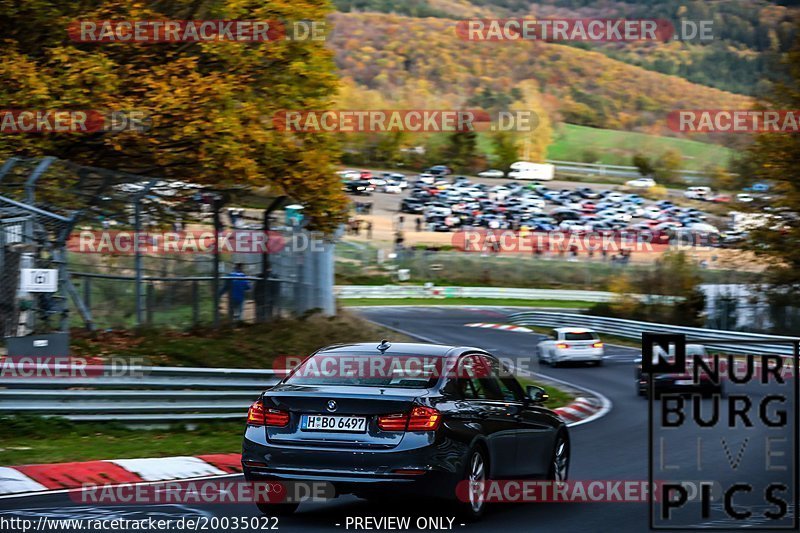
(359, 187)
(641, 183)
(412, 205)
(567, 345)
(492, 173)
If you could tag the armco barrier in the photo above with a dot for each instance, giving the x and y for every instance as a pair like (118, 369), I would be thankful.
(149, 394)
(632, 329)
(421, 291)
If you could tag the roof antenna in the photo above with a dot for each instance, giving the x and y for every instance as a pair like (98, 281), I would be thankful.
(383, 346)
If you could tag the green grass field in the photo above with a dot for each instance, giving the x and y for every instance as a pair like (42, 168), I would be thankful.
(616, 147)
(571, 143)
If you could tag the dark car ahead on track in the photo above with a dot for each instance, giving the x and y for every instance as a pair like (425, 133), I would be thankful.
(679, 382)
(430, 417)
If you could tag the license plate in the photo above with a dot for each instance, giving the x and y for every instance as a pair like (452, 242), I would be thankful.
(684, 382)
(353, 424)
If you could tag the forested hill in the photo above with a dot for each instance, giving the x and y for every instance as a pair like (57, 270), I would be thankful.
(398, 56)
(748, 34)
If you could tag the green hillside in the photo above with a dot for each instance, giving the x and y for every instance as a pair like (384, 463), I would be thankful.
(580, 143)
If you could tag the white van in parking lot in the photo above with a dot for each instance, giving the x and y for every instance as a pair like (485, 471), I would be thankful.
(522, 170)
(698, 193)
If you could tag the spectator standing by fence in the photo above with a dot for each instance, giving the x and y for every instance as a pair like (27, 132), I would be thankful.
(237, 288)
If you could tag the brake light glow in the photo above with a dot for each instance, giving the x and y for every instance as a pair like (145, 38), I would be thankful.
(421, 418)
(276, 418)
(597, 345)
(396, 422)
(562, 346)
(424, 419)
(255, 415)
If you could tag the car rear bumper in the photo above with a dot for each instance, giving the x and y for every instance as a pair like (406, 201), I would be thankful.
(440, 462)
(565, 356)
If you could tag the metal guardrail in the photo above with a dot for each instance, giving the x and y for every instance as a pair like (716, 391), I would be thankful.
(622, 171)
(147, 394)
(744, 342)
(421, 291)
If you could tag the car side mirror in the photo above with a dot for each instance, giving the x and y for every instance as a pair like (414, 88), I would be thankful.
(537, 394)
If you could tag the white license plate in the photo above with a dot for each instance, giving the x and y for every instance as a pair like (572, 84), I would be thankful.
(684, 382)
(354, 424)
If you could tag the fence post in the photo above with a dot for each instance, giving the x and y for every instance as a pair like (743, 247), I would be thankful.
(150, 303)
(195, 303)
(87, 292)
(216, 206)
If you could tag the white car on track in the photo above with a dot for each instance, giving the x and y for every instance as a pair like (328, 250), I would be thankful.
(567, 345)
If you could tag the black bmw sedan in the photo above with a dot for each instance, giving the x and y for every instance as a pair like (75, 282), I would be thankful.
(402, 419)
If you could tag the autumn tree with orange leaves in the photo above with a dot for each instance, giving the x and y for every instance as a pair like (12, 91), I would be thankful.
(211, 104)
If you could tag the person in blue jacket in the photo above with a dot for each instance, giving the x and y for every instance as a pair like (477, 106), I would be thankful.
(237, 289)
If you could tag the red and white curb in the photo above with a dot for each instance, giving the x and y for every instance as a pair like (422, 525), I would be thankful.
(15, 480)
(503, 327)
(579, 410)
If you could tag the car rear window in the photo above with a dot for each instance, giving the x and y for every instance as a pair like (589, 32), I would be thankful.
(368, 370)
(580, 336)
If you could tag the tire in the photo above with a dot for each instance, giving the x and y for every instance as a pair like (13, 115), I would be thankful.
(539, 357)
(476, 470)
(559, 464)
(599, 362)
(277, 509)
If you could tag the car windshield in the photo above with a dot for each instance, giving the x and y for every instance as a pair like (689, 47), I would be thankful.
(368, 370)
(582, 336)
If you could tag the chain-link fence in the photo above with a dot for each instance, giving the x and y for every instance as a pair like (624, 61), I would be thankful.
(108, 234)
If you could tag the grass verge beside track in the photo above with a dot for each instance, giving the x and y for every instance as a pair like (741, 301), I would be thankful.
(38, 440)
(243, 346)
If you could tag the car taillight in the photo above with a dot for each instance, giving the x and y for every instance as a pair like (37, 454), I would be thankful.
(597, 345)
(276, 418)
(395, 422)
(255, 415)
(424, 419)
(421, 418)
(562, 346)
(258, 416)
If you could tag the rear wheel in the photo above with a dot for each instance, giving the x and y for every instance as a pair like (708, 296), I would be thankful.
(277, 509)
(476, 475)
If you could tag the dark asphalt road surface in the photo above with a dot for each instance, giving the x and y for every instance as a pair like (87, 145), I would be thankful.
(614, 447)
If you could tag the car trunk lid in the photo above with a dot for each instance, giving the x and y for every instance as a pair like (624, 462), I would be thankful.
(305, 401)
